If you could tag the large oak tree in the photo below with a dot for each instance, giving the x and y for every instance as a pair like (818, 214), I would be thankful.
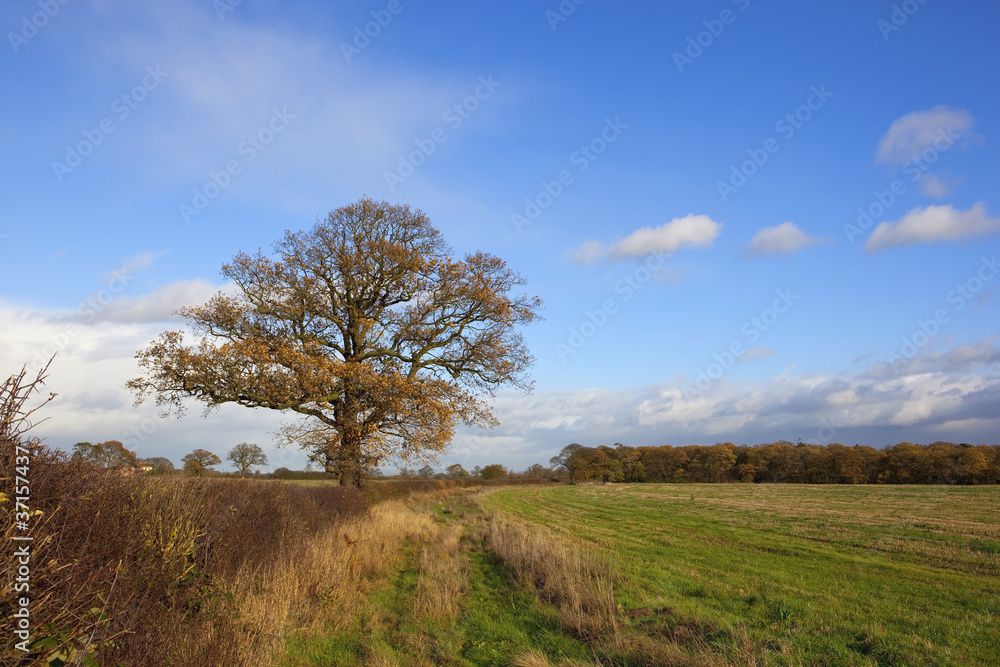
(366, 327)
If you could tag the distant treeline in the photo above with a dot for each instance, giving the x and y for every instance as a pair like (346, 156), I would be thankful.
(905, 463)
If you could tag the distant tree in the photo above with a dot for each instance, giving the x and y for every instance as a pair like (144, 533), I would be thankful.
(494, 471)
(245, 456)
(426, 472)
(663, 464)
(584, 465)
(992, 454)
(405, 473)
(903, 463)
(477, 472)
(568, 460)
(720, 461)
(750, 466)
(942, 459)
(282, 473)
(855, 465)
(972, 464)
(781, 461)
(456, 471)
(110, 454)
(116, 456)
(817, 464)
(537, 471)
(608, 465)
(200, 461)
(161, 465)
(83, 451)
(633, 468)
(777, 462)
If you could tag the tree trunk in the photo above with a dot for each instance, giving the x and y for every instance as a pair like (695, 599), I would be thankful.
(349, 469)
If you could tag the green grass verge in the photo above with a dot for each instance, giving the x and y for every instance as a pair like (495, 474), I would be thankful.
(502, 621)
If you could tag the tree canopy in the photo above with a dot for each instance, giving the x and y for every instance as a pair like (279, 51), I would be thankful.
(161, 465)
(364, 326)
(200, 461)
(568, 460)
(245, 456)
(782, 461)
(494, 471)
(110, 454)
(457, 471)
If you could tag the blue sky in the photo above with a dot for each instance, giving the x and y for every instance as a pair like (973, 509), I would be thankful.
(121, 116)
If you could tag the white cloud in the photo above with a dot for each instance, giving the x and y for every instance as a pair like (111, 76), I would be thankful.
(691, 230)
(159, 306)
(948, 395)
(587, 252)
(783, 239)
(961, 358)
(757, 353)
(225, 79)
(910, 135)
(933, 224)
(697, 231)
(93, 360)
(934, 186)
(136, 264)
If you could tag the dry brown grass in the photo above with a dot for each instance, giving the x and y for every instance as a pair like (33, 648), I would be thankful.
(443, 576)
(535, 658)
(577, 581)
(381, 657)
(531, 659)
(339, 569)
(319, 587)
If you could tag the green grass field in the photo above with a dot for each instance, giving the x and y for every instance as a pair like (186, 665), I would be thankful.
(825, 575)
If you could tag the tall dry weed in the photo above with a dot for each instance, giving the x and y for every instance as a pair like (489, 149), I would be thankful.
(443, 574)
(579, 582)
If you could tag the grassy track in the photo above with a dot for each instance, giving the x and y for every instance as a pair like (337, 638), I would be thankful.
(406, 623)
(825, 575)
